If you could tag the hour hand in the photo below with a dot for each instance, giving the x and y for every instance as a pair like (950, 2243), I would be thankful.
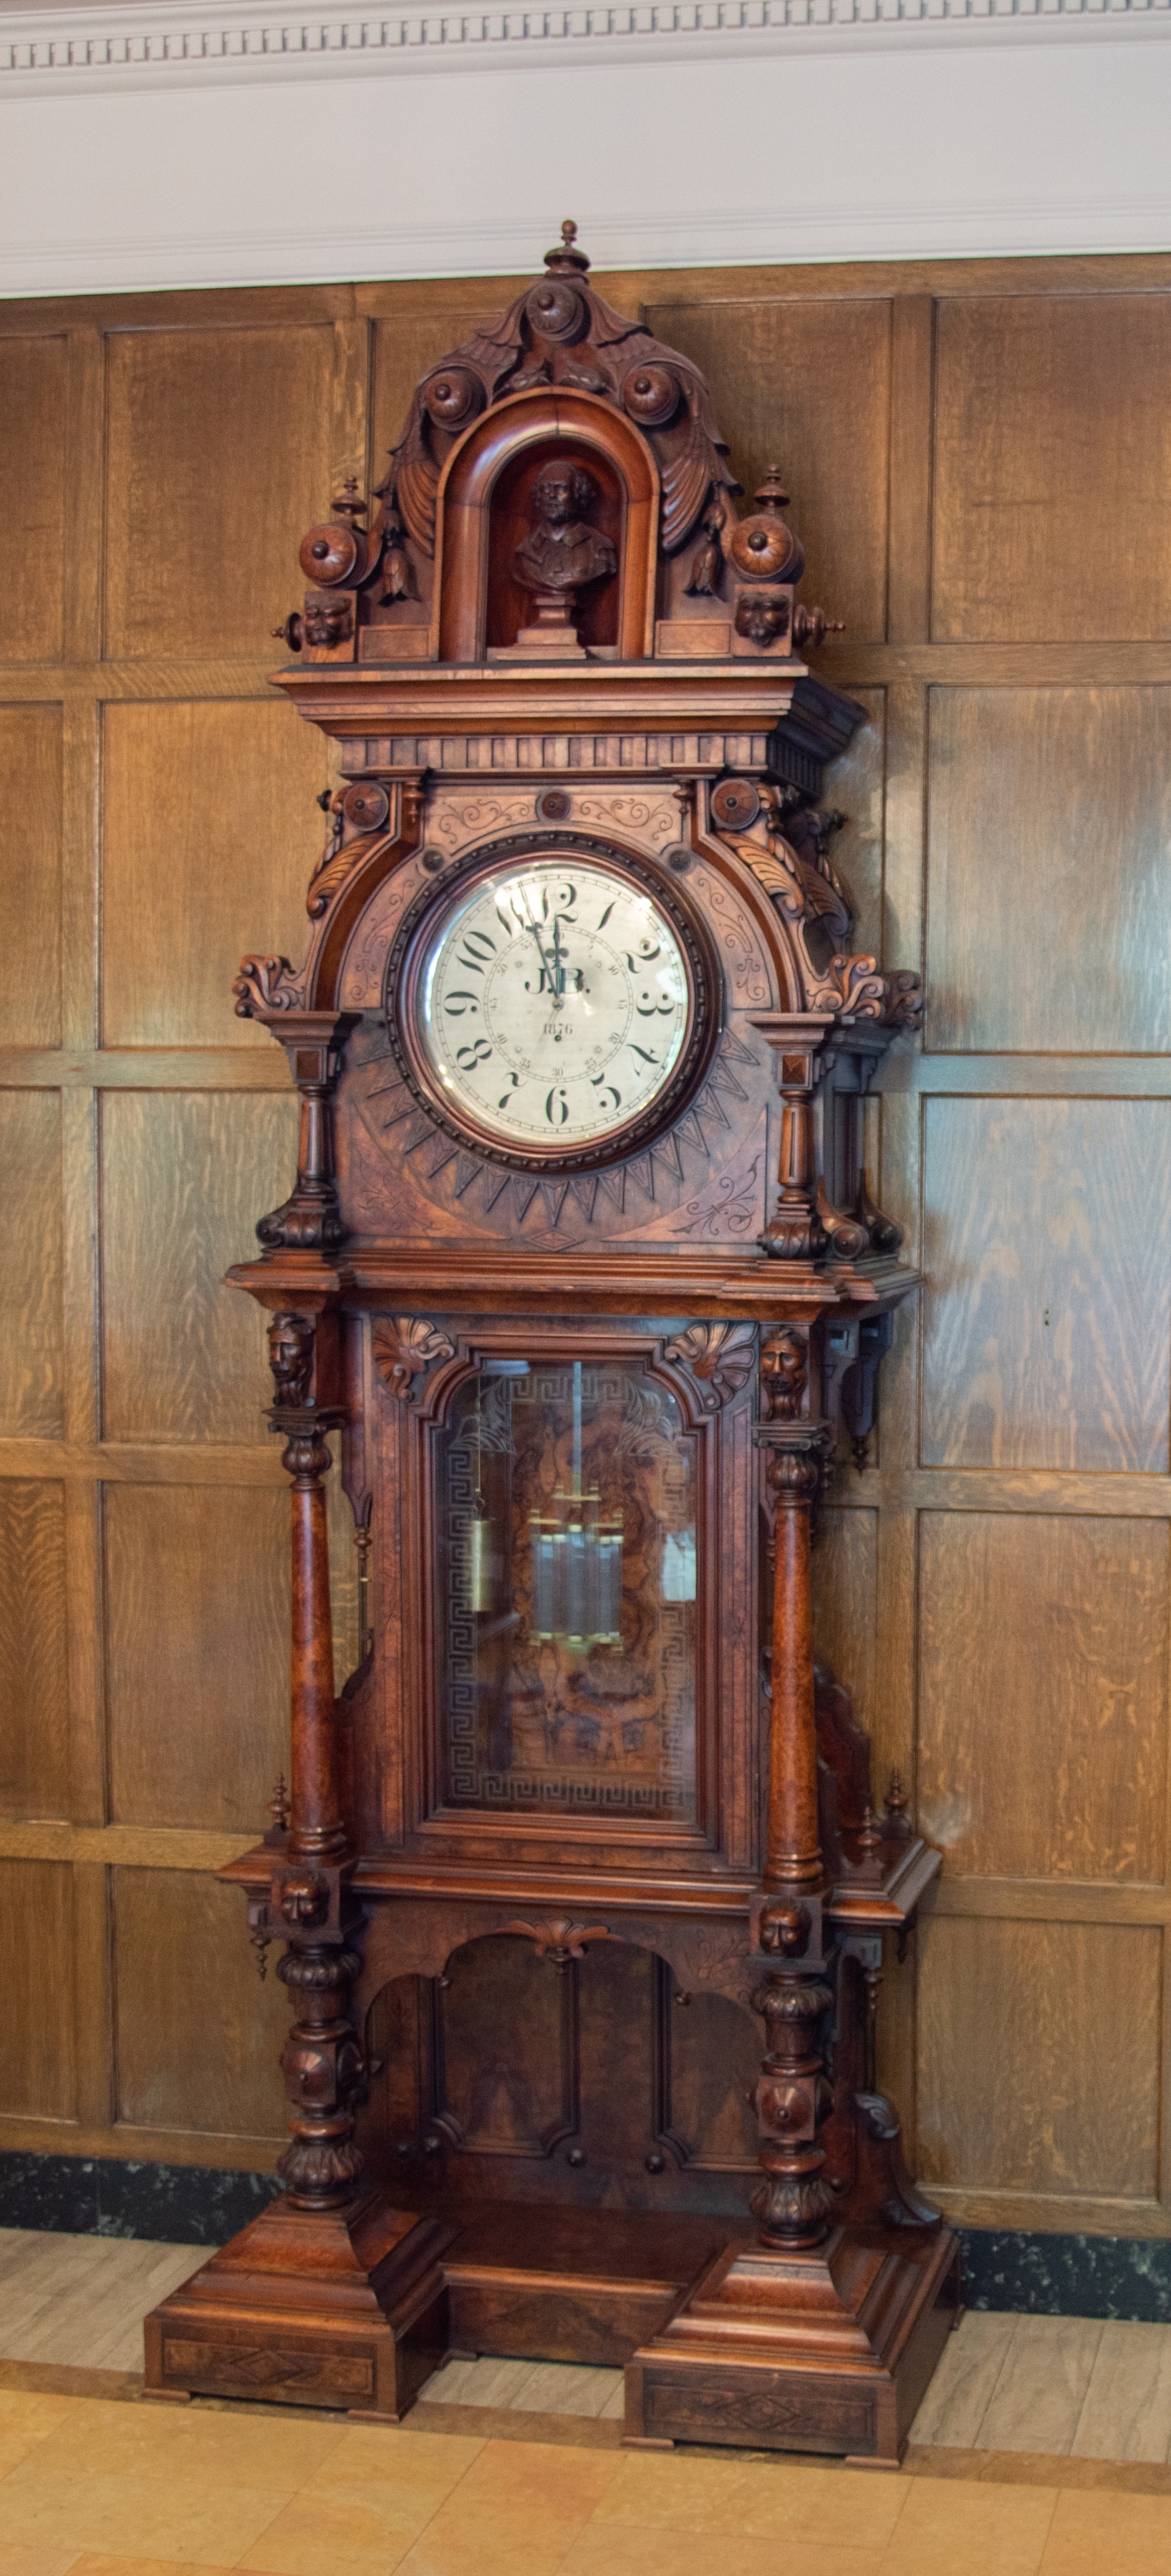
(547, 970)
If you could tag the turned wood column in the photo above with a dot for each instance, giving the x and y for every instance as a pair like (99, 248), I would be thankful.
(322, 2060)
(792, 2096)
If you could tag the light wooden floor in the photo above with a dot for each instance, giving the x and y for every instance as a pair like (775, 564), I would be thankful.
(1063, 2386)
(1012, 2465)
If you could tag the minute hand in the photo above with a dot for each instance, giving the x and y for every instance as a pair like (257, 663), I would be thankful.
(546, 968)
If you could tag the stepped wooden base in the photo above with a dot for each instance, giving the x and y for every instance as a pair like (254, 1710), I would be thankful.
(341, 2308)
(830, 2350)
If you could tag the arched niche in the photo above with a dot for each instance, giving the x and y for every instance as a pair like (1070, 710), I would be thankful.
(481, 512)
(582, 2079)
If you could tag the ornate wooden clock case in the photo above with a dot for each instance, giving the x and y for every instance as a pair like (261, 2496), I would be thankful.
(578, 989)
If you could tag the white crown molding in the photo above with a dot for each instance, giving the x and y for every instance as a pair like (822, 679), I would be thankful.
(490, 250)
(160, 43)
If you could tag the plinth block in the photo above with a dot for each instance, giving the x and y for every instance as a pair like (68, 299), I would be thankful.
(829, 2351)
(342, 2308)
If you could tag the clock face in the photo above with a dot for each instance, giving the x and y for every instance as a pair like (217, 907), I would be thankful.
(553, 1002)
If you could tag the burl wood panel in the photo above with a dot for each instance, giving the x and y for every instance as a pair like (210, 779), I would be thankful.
(1043, 1694)
(36, 1932)
(845, 1576)
(184, 1175)
(1048, 1312)
(714, 2051)
(182, 1968)
(198, 1652)
(805, 384)
(1050, 808)
(32, 464)
(221, 437)
(30, 875)
(208, 819)
(34, 1706)
(1039, 2056)
(508, 2074)
(31, 1398)
(1052, 480)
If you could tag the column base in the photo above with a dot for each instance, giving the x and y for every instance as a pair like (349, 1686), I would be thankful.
(829, 2350)
(342, 2307)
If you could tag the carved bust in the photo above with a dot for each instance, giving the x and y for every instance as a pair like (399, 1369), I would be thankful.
(290, 1357)
(563, 552)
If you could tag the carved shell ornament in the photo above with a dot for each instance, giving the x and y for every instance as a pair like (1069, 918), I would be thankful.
(405, 1346)
(718, 1357)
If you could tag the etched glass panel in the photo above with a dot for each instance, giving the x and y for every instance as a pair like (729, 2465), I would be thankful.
(566, 1522)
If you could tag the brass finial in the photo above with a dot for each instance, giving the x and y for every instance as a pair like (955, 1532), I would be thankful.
(569, 232)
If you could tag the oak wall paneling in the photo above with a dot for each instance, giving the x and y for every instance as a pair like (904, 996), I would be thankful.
(978, 458)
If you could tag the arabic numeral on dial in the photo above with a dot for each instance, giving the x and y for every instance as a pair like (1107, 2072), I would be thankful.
(458, 1003)
(476, 1053)
(557, 1107)
(476, 946)
(641, 1053)
(648, 950)
(648, 1009)
(505, 1099)
(606, 1091)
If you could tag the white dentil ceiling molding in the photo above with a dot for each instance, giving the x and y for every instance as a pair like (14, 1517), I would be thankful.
(153, 146)
(149, 42)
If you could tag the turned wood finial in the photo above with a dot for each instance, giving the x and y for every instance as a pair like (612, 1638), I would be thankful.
(566, 257)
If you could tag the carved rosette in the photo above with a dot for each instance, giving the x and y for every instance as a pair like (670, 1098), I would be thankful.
(405, 1347)
(718, 1358)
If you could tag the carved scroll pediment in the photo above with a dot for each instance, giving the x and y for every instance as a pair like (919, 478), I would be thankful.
(560, 332)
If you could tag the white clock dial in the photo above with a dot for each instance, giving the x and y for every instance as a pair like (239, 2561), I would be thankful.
(554, 1003)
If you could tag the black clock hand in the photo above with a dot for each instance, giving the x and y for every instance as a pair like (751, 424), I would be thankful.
(558, 969)
(546, 969)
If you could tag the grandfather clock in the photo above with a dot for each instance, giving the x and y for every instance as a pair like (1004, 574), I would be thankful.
(583, 1277)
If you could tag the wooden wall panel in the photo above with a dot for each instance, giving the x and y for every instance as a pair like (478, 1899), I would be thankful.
(1053, 466)
(1058, 1769)
(222, 438)
(182, 1968)
(1047, 1321)
(184, 1177)
(845, 1577)
(209, 824)
(33, 409)
(859, 792)
(36, 1936)
(805, 385)
(1039, 2057)
(30, 874)
(31, 1360)
(34, 1698)
(197, 1586)
(1049, 810)
(974, 448)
